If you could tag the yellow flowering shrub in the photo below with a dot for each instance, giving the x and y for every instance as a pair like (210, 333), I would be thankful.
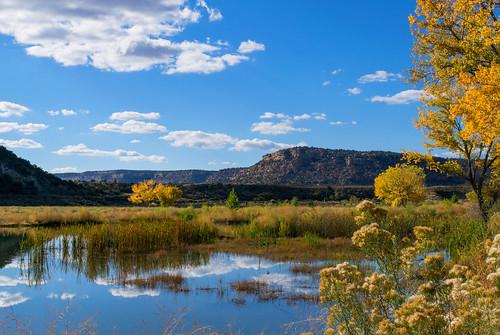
(400, 185)
(413, 290)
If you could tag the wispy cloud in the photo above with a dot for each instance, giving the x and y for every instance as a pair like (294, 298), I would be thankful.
(343, 123)
(63, 112)
(401, 98)
(379, 76)
(67, 169)
(10, 109)
(122, 155)
(23, 143)
(327, 83)
(336, 71)
(354, 91)
(262, 144)
(25, 128)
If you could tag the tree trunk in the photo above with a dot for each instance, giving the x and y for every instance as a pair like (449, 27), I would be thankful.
(483, 208)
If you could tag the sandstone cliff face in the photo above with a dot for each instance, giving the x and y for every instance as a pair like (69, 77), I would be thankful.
(295, 166)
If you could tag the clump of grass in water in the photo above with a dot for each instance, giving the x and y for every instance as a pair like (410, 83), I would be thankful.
(173, 282)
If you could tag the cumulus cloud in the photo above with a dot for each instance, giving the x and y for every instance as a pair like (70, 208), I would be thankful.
(135, 141)
(129, 115)
(262, 144)
(224, 163)
(63, 112)
(133, 292)
(9, 109)
(250, 46)
(8, 299)
(23, 143)
(122, 155)
(67, 169)
(130, 127)
(380, 76)
(336, 71)
(25, 128)
(276, 128)
(354, 91)
(401, 98)
(198, 139)
(327, 83)
(118, 35)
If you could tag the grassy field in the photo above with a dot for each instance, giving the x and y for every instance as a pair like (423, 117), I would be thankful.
(284, 228)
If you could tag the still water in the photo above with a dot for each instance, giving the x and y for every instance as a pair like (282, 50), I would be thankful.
(55, 288)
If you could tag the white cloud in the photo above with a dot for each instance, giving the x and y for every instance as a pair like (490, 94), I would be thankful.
(276, 128)
(250, 46)
(262, 144)
(130, 127)
(132, 292)
(122, 155)
(213, 13)
(135, 141)
(225, 163)
(63, 112)
(129, 115)
(327, 83)
(319, 116)
(336, 71)
(354, 91)
(8, 299)
(196, 61)
(268, 115)
(9, 109)
(304, 116)
(67, 169)
(118, 35)
(198, 139)
(401, 98)
(25, 128)
(23, 143)
(342, 123)
(380, 76)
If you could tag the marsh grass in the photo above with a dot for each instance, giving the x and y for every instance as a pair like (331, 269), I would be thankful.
(172, 282)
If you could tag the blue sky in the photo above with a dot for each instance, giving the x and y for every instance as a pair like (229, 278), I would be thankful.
(204, 84)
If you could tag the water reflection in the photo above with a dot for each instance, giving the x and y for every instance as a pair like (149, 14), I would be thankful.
(123, 291)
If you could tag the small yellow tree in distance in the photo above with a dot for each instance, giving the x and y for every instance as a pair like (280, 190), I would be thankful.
(167, 195)
(143, 193)
(400, 185)
(149, 192)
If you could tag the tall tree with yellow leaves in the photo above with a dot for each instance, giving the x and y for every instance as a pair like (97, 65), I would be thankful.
(457, 59)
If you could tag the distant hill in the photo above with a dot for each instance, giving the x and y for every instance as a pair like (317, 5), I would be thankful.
(19, 176)
(22, 183)
(295, 166)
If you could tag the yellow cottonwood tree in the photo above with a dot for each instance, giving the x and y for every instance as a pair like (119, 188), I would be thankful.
(167, 195)
(456, 57)
(143, 193)
(400, 185)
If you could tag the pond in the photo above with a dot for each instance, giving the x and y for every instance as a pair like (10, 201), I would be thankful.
(55, 286)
